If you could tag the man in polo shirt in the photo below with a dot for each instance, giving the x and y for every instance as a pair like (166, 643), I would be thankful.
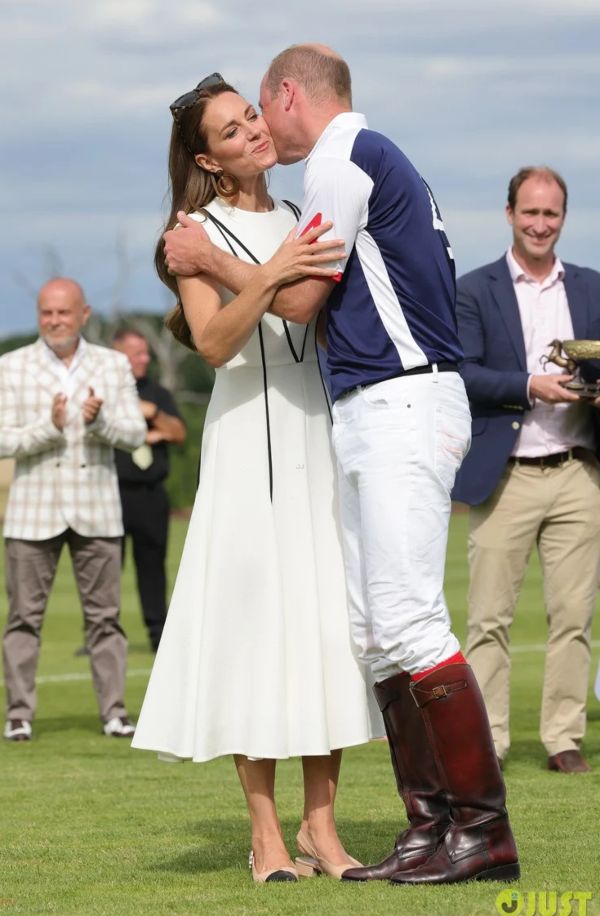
(401, 429)
(532, 475)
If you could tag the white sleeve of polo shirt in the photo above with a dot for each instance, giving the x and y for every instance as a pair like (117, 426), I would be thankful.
(337, 190)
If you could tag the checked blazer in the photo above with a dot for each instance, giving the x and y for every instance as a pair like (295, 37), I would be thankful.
(65, 479)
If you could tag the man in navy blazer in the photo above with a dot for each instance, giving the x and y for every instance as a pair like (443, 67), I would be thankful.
(531, 477)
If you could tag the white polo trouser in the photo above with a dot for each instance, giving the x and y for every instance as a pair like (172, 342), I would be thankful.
(399, 444)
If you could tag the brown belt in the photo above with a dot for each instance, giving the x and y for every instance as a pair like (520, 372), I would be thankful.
(552, 461)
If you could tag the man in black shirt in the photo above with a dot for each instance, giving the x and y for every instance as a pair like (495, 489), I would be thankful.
(141, 476)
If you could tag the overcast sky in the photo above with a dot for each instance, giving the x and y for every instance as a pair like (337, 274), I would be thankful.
(470, 91)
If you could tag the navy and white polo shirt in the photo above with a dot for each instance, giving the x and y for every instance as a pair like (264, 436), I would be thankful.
(393, 308)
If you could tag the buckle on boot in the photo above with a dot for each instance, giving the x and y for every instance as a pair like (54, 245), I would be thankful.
(422, 696)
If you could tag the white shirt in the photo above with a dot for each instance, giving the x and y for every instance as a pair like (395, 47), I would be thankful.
(66, 375)
(544, 310)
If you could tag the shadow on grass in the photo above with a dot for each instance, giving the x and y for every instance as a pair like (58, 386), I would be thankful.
(532, 753)
(141, 648)
(593, 712)
(225, 843)
(51, 725)
(529, 751)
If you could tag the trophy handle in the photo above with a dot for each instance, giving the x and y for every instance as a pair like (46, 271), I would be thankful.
(554, 356)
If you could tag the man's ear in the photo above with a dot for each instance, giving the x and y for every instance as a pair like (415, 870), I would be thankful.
(288, 91)
(509, 214)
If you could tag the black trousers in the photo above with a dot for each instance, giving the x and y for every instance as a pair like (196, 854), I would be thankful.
(146, 522)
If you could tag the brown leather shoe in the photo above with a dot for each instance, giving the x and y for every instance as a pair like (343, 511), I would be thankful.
(568, 762)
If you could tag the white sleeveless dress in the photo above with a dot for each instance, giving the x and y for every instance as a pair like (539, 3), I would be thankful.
(256, 656)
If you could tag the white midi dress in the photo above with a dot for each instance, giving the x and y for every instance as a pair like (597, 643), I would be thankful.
(256, 655)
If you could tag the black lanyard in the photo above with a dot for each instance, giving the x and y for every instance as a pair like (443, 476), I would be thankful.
(229, 236)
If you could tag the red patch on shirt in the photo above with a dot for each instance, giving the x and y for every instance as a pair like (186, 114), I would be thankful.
(316, 221)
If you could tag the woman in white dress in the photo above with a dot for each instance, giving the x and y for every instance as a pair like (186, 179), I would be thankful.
(255, 659)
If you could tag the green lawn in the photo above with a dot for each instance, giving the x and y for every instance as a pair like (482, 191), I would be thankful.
(89, 826)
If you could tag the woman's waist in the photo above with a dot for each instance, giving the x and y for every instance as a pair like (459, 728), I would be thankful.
(270, 362)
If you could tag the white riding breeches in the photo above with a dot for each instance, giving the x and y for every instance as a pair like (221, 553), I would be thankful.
(399, 444)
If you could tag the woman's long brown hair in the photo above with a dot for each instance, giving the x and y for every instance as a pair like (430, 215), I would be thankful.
(190, 188)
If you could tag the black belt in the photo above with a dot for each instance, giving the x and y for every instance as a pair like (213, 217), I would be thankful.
(555, 460)
(418, 370)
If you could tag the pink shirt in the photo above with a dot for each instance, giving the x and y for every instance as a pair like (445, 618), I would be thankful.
(545, 315)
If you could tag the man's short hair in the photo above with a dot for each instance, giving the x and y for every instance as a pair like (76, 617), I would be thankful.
(320, 74)
(534, 171)
(122, 333)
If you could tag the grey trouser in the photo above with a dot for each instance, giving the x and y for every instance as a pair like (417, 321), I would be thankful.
(30, 571)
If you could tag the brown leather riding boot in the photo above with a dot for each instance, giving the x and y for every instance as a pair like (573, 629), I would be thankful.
(479, 843)
(417, 779)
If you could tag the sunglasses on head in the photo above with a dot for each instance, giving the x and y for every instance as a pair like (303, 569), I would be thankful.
(189, 99)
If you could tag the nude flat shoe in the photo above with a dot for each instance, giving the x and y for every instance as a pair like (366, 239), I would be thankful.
(285, 873)
(310, 863)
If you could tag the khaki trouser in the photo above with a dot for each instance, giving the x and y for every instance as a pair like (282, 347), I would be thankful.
(30, 570)
(557, 509)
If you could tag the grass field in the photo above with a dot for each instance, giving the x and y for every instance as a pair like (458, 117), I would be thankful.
(88, 826)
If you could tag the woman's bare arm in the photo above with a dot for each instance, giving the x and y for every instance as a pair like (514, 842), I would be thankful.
(189, 251)
(220, 331)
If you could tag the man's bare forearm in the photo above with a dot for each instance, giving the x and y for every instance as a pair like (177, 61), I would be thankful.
(234, 275)
(189, 252)
(299, 301)
(229, 271)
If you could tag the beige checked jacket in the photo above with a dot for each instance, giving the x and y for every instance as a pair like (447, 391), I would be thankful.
(65, 479)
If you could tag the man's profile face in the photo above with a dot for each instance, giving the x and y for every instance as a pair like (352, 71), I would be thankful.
(537, 218)
(61, 314)
(136, 350)
(274, 114)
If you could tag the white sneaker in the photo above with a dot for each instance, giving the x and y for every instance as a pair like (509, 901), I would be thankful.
(17, 730)
(119, 727)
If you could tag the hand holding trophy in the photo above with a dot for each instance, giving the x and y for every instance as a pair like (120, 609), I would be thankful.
(575, 351)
